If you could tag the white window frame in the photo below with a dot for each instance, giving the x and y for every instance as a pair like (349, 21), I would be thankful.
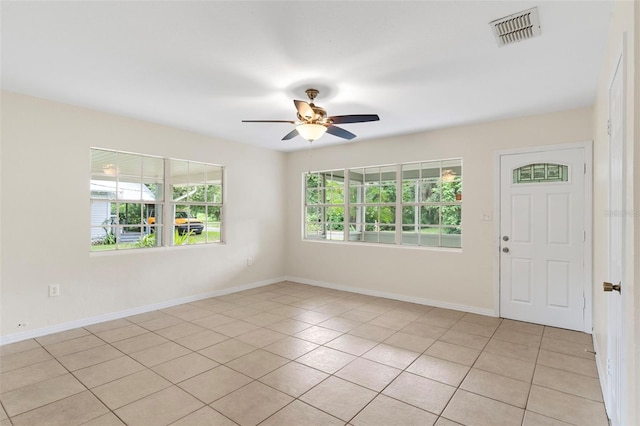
(399, 204)
(164, 208)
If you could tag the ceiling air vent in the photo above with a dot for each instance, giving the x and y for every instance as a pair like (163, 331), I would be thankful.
(516, 27)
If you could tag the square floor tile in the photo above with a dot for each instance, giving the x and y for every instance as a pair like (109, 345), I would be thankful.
(512, 350)
(212, 321)
(569, 335)
(74, 345)
(353, 345)
(391, 356)
(180, 330)
(410, 342)
(522, 327)
(261, 337)
(185, 367)
(570, 363)
(226, 351)
(294, 379)
(566, 347)
(121, 333)
(257, 363)
(455, 353)
(23, 359)
(438, 369)
(236, 328)
(505, 366)
(291, 347)
(385, 411)
(86, 358)
(494, 386)
(30, 374)
(108, 371)
(139, 343)
(201, 340)
(130, 388)
(289, 326)
(299, 413)
(159, 354)
(568, 408)
(251, 404)
(326, 359)
(318, 335)
(107, 325)
(226, 380)
(204, 416)
(38, 394)
(421, 392)
(339, 398)
(50, 339)
(535, 419)
(160, 408)
(14, 348)
(108, 419)
(565, 381)
(464, 339)
(520, 338)
(369, 374)
(372, 332)
(471, 409)
(73, 410)
(475, 329)
(428, 331)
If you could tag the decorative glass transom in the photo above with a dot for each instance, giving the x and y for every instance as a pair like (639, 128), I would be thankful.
(541, 172)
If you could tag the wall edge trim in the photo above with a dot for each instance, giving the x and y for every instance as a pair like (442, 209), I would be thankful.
(18, 337)
(395, 296)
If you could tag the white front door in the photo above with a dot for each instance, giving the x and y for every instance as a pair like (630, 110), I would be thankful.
(542, 237)
(616, 218)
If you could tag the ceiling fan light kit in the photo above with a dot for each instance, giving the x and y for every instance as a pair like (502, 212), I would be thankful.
(313, 121)
(311, 132)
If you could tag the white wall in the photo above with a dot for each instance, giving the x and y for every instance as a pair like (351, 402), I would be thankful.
(463, 279)
(624, 22)
(45, 217)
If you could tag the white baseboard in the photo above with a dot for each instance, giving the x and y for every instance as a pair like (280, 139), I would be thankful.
(17, 337)
(397, 296)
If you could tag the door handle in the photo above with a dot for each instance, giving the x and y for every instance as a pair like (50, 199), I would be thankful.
(610, 287)
(505, 249)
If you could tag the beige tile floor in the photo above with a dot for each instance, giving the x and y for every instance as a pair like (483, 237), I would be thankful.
(292, 354)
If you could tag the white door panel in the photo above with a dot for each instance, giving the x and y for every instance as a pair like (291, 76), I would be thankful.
(617, 208)
(542, 226)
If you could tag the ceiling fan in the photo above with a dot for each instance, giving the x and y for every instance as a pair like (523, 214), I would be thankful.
(313, 121)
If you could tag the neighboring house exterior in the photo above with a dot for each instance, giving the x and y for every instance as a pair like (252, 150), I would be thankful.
(110, 191)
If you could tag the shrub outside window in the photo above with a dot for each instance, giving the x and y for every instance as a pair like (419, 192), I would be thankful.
(422, 208)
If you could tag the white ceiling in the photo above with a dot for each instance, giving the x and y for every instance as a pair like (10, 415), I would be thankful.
(205, 66)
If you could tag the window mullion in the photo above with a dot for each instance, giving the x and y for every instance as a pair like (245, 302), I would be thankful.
(167, 206)
(398, 237)
(346, 204)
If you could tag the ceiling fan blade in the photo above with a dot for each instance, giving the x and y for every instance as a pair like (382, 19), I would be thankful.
(292, 134)
(268, 121)
(345, 119)
(304, 109)
(340, 132)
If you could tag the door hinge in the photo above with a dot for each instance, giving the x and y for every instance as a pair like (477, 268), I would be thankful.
(584, 236)
(584, 302)
(585, 168)
(609, 127)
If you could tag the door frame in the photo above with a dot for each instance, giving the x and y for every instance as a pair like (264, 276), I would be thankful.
(587, 147)
(620, 411)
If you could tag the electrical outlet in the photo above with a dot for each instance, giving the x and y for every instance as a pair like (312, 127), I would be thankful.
(54, 290)
(249, 261)
(23, 324)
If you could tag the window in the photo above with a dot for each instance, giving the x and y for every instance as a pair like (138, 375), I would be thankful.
(324, 218)
(130, 201)
(432, 203)
(541, 172)
(196, 201)
(421, 208)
